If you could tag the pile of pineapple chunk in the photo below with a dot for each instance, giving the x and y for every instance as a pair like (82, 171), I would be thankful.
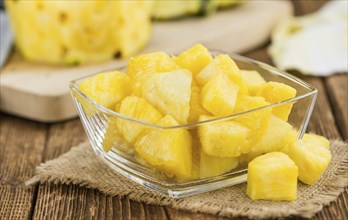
(195, 87)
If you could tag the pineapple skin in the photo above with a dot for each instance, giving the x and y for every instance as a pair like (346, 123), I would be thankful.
(80, 31)
(272, 176)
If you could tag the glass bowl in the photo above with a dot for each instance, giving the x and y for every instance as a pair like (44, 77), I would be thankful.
(99, 124)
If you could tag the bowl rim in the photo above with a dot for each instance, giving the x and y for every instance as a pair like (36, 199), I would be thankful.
(311, 91)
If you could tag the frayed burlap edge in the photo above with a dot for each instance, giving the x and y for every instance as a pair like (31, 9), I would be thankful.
(96, 174)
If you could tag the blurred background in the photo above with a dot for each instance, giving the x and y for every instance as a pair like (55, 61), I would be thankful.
(46, 44)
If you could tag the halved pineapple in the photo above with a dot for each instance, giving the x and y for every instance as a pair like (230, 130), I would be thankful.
(317, 140)
(107, 89)
(253, 81)
(222, 139)
(80, 31)
(276, 137)
(219, 96)
(272, 176)
(136, 108)
(170, 92)
(194, 59)
(275, 92)
(222, 64)
(257, 121)
(311, 160)
(167, 150)
(140, 67)
(196, 108)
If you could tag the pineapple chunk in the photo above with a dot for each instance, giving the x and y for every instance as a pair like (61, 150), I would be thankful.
(107, 89)
(289, 141)
(317, 140)
(214, 166)
(196, 108)
(222, 139)
(275, 92)
(276, 136)
(253, 81)
(219, 96)
(141, 67)
(170, 92)
(136, 108)
(113, 138)
(194, 59)
(311, 160)
(222, 64)
(167, 150)
(81, 31)
(256, 121)
(272, 176)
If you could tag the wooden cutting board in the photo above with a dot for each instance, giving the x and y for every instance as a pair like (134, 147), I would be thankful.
(41, 92)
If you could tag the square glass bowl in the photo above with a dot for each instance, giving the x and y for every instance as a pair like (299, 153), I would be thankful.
(100, 126)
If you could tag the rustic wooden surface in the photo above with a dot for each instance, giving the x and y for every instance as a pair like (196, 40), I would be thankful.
(25, 144)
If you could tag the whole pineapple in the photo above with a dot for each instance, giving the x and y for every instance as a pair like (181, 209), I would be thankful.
(73, 32)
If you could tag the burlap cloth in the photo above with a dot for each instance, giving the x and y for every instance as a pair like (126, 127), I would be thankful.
(82, 167)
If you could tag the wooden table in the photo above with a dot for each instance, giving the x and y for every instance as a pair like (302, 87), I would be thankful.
(25, 144)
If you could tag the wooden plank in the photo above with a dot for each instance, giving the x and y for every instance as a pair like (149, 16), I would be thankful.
(73, 202)
(21, 146)
(337, 87)
(20, 153)
(322, 121)
(16, 201)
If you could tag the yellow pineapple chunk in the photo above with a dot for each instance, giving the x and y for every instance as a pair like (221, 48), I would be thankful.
(276, 136)
(194, 59)
(214, 166)
(167, 150)
(222, 139)
(222, 64)
(139, 68)
(289, 141)
(311, 160)
(107, 89)
(136, 108)
(253, 81)
(275, 92)
(114, 138)
(317, 140)
(272, 176)
(257, 121)
(196, 108)
(219, 96)
(170, 93)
